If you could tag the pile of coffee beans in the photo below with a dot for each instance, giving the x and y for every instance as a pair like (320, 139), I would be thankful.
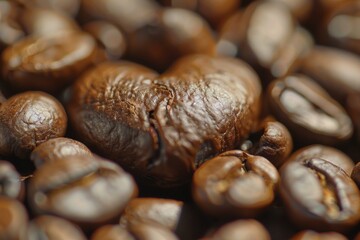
(179, 120)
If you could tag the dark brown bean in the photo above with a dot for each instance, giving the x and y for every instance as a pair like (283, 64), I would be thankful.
(235, 184)
(340, 26)
(10, 181)
(353, 108)
(319, 195)
(162, 128)
(333, 155)
(13, 219)
(241, 230)
(86, 191)
(109, 36)
(48, 63)
(335, 70)
(56, 149)
(272, 141)
(307, 110)
(27, 120)
(355, 175)
(50, 227)
(267, 37)
(311, 235)
(171, 34)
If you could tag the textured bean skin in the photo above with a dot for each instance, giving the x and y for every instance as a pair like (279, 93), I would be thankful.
(235, 184)
(272, 141)
(162, 127)
(56, 149)
(319, 195)
(27, 120)
(86, 191)
(48, 63)
(327, 153)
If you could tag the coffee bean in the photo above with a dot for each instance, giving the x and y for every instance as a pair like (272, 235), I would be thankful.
(86, 191)
(272, 141)
(340, 27)
(335, 70)
(235, 184)
(301, 9)
(10, 181)
(306, 109)
(56, 149)
(48, 63)
(319, 195)
(50, 227)
(13, 219)
(241, 230)
(311, 235)
(162, 127)
(182, 219)
(109, 36)
(27, 120)
(330, 154)
(267, 37)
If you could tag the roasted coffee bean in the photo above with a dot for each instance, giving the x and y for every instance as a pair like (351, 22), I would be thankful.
(70, 7)
(330, 154)
(235, 184)
(341, 27)
(308, 111)
(28, 119)
(241, 230)
(267, 37)
(311, 235)
(56, 149)
(86, 191)
(50, 227)
(214, 11)
(39, 21)
(355, 175)
(272, 141)
(171, 34)
(11, 184)
(13, 219)
(182, 219)
(335, 70)
(48, 63)
(162, 127)
(10, 30)
(319, 195)
(138, 231)
(109, 36)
